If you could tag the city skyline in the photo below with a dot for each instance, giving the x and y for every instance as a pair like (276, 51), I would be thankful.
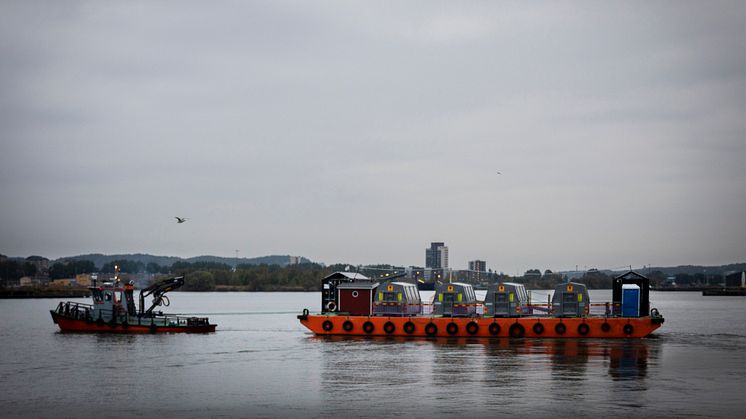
(471, 265)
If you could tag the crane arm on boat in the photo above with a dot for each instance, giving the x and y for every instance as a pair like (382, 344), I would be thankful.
(158, 291)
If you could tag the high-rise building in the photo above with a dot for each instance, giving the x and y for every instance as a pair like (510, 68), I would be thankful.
(477, 270)
(478, 265)
(436, 256)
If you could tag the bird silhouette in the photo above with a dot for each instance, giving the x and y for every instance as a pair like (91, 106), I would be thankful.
(180, 220)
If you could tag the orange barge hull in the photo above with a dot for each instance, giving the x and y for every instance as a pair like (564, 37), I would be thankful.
(67, 324)
(530, 327)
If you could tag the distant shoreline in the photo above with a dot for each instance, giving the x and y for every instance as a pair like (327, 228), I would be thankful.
(20, 293)
(29, 293)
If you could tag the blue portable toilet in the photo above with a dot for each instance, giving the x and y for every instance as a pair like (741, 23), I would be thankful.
(630, 300)
(641, 281)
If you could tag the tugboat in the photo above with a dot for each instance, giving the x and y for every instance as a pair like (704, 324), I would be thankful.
(355, 305)
(113, 311)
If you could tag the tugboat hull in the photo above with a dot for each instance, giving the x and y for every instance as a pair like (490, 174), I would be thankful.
(68, 324)
(480, 327)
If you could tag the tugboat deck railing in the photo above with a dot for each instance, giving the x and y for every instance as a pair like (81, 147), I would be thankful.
(81, 311)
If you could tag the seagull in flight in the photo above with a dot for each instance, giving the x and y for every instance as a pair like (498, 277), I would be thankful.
(180, 220)
(499, 173)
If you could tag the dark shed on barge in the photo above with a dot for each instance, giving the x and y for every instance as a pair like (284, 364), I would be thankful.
(634, 278)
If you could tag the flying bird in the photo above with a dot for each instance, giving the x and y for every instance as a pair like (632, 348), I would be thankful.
(499, 173)
(180, 220)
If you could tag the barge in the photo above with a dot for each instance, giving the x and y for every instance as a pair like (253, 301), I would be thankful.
(354, 305)
(114, 311)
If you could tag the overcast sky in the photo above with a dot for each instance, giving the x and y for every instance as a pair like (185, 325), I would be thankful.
(359, 132)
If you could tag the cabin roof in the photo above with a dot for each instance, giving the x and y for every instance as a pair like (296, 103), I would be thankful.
(367, 285)
(457, 284)
(631, 274)
(403, 284)
(348, 275)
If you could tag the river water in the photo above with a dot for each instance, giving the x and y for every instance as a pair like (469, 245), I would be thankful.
(262, 363)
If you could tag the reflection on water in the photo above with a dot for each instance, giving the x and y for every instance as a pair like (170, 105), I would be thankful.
(270, 366)
(629, 361)
(484, 372)
(452, 357)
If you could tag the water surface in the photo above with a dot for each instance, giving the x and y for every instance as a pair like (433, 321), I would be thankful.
(262, 363)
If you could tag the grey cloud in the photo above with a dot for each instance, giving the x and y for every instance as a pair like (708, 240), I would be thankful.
(359, 132)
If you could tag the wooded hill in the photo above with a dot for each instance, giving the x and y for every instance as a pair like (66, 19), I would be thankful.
(100, 260)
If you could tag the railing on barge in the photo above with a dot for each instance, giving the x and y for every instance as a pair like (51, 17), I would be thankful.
(606, 309)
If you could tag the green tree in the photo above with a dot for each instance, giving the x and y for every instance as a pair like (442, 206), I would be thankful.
(10, 270)
(126, 266)
(199, 281)
(153, 268)
(29, 269)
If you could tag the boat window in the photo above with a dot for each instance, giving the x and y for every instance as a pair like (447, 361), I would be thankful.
(107, 296)
(117, 296)
(97, 296)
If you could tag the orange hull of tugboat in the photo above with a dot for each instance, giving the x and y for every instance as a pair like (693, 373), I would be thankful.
(68, 324)
(480, 327)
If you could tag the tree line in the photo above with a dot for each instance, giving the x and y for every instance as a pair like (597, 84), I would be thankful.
(207, 276)
(203, 276)
(11, 270)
